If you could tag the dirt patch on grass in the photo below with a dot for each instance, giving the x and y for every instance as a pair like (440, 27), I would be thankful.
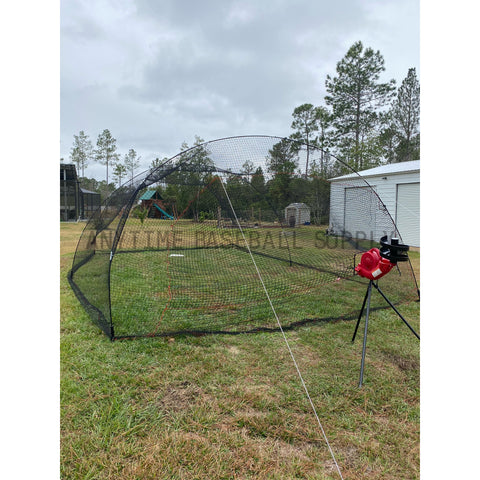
(348, 457)
(233, 350)
(180, 396)
(406, 364)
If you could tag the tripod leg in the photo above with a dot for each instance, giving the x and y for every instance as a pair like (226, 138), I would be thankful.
(360, 316)
(369, 294)
(396, 311)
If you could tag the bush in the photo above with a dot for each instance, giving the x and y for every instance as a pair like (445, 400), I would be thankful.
(140, 213)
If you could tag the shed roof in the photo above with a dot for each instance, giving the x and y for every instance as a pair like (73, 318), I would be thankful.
(389, 169)
(298, 205)
(88, 191)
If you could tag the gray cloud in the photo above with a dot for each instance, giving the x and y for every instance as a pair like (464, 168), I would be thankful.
(157, 73)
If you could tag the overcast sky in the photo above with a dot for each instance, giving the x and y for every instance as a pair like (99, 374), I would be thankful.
(158, 72)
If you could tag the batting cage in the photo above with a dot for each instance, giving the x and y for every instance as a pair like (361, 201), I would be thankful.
(205, 243)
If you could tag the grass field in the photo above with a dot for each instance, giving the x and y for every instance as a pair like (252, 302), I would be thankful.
(231, 407)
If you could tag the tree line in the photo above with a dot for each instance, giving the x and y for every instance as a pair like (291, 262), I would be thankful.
(364, 122)
(257, 195)
(105, 153)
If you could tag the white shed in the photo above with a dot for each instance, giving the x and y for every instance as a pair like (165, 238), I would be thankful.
(297, 214)
(353, 205)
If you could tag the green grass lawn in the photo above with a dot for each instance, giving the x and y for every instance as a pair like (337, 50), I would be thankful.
(195, 276)
(222, 406)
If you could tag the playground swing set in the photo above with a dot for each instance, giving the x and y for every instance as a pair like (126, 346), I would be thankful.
(152, 201)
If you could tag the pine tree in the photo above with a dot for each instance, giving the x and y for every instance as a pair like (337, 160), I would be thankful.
(157, 162)
(119, 172)
(105, 153)
(247, 169)
(131, 162)
(406, 117)
(81, 151)
(356, 97)
(282, 161)
(323, 140)
(305, 123)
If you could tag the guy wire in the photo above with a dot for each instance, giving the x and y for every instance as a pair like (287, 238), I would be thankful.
(282, 331)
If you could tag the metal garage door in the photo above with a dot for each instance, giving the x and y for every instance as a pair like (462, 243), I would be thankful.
(360, 212)
(408, 213)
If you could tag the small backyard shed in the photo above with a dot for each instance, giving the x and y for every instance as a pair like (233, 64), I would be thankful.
(297, 214)
(353, 204)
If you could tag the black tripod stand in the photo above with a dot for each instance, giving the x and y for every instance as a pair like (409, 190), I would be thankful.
(366, 301)
(373, 265)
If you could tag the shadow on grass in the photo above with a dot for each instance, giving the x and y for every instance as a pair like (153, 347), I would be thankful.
(292, 326)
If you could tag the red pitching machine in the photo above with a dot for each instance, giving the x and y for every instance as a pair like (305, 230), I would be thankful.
(373, 265)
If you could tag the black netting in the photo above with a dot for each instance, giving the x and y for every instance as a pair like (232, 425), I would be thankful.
(186, 246)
